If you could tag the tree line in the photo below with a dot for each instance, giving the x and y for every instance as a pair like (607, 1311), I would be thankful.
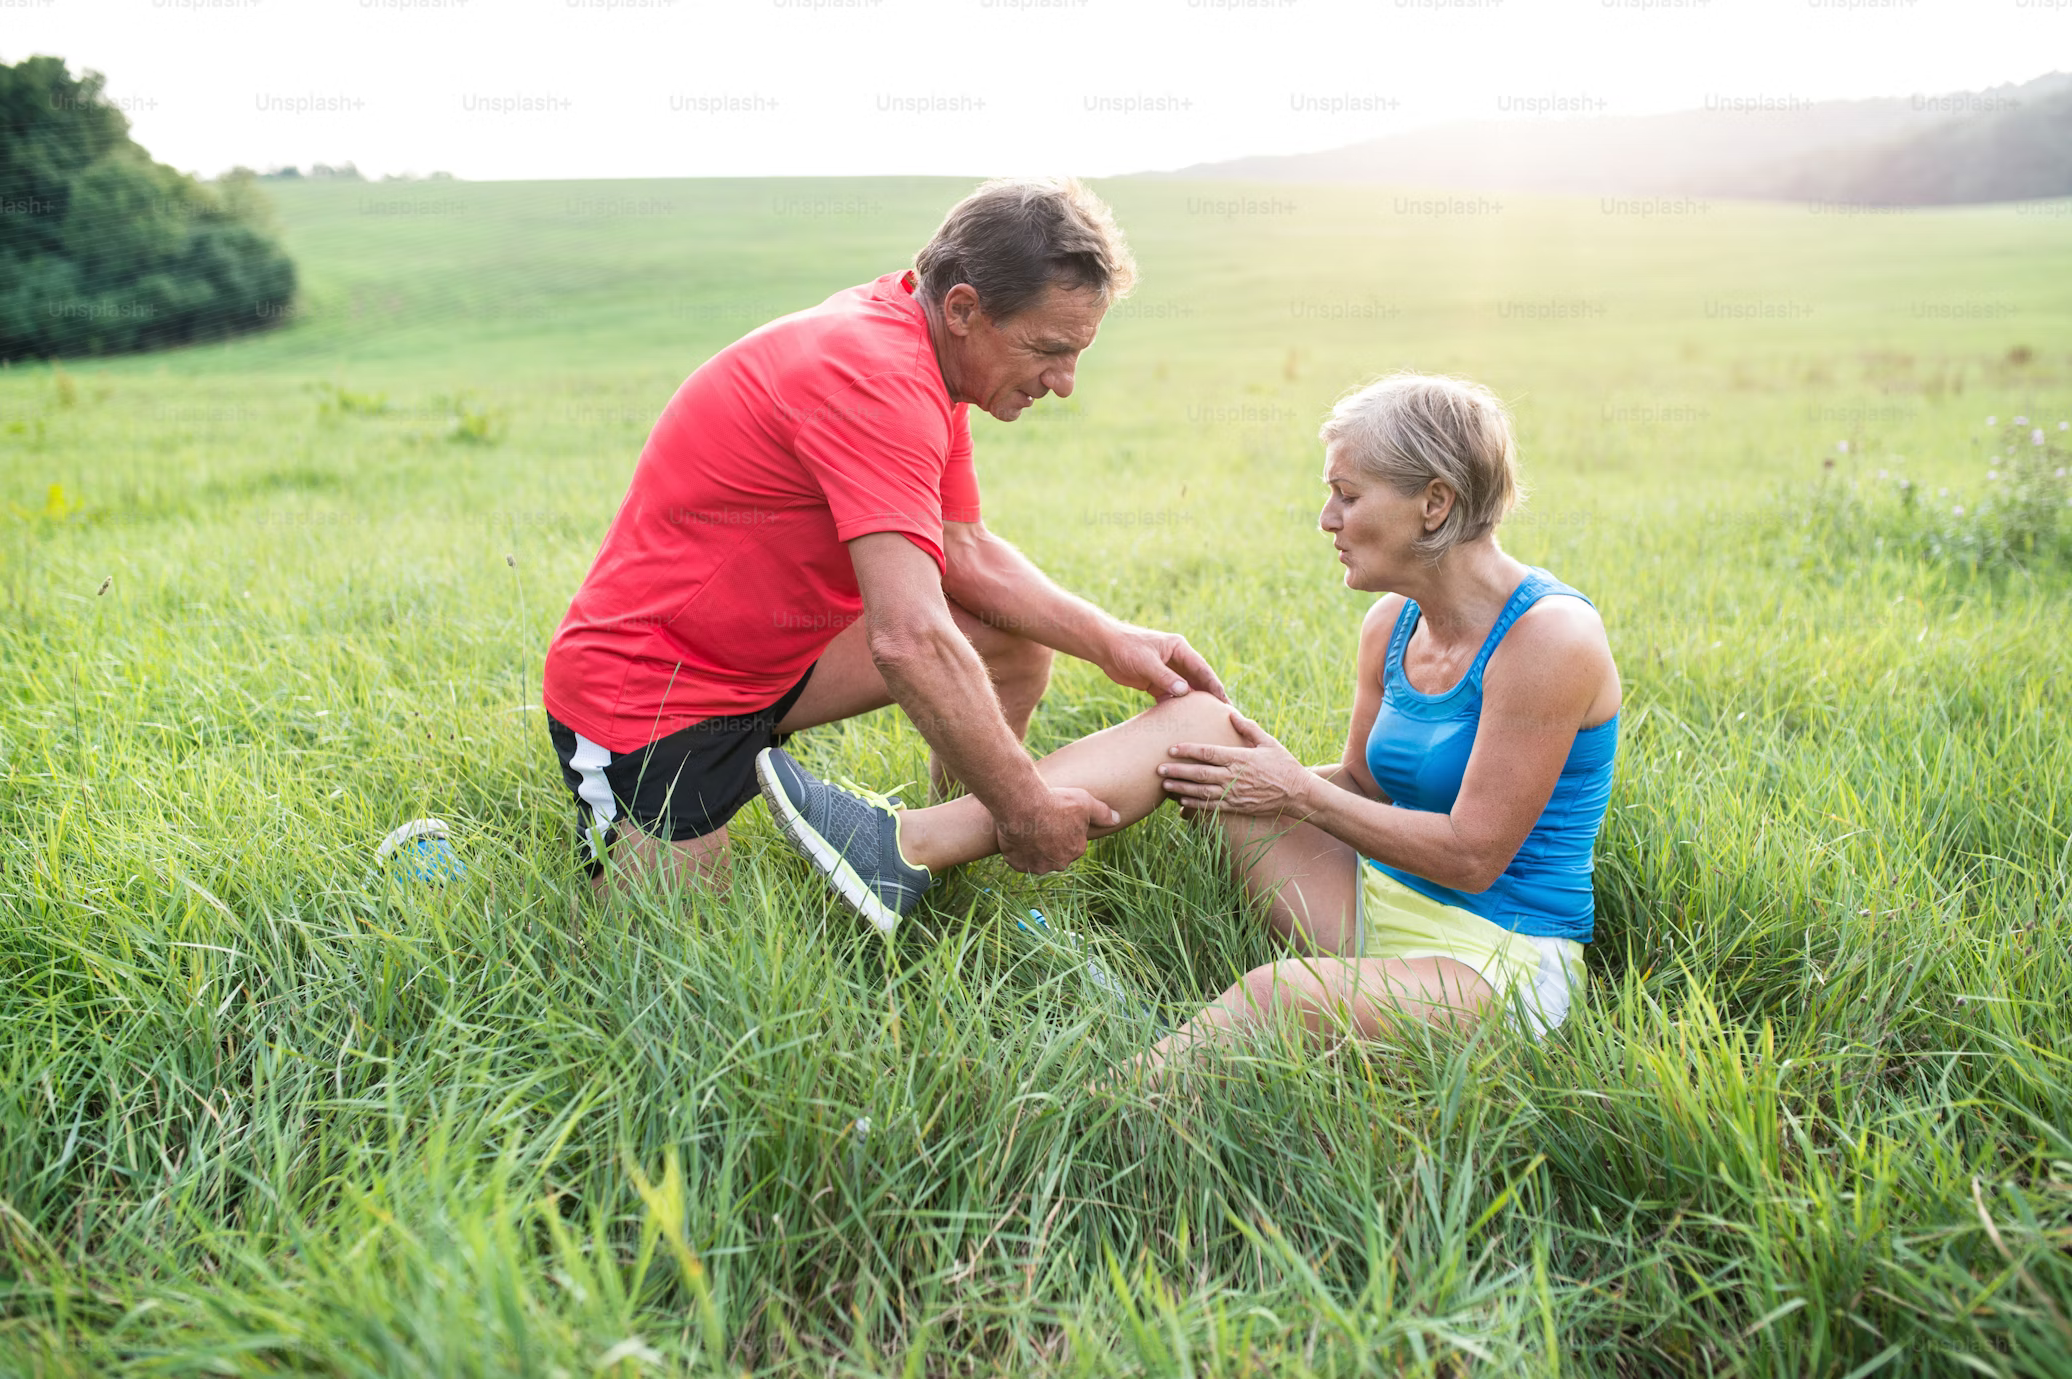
(104, 250)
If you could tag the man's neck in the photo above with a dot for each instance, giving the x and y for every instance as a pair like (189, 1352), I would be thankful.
(942, 342)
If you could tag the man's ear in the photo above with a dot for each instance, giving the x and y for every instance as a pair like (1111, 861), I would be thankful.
(960, 308)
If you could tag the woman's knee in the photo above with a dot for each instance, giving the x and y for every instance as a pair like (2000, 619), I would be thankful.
(1193, 717)
(1283, 985)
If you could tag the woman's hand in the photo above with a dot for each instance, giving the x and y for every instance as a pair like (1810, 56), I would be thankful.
(1261, 777)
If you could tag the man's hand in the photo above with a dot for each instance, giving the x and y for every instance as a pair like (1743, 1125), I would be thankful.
(1161, 664)
(1050, 834)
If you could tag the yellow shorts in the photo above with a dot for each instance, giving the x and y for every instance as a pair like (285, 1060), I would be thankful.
(1539, 978)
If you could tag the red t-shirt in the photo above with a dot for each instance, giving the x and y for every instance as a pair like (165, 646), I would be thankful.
(724, 574)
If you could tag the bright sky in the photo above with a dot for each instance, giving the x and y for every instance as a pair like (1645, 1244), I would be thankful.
(652, 88)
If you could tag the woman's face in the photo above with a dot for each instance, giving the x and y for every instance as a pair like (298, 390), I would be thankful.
(1374, 527)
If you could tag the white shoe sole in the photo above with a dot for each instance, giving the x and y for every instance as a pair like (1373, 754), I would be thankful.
(847, 884)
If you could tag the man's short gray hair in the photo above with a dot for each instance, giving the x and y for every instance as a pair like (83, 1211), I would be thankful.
(1412, 428)
(1014, 237)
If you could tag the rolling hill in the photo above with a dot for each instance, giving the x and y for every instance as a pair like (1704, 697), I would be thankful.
(2010, 142)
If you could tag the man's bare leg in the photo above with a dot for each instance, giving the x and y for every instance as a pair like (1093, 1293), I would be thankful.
(845, 683)
(641, 859)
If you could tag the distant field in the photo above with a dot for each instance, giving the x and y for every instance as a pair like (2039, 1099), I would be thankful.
(264, 1111)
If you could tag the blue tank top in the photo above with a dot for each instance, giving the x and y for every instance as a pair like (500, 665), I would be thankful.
(1419, 751)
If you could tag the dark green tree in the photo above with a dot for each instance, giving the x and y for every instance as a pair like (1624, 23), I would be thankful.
(104, 250)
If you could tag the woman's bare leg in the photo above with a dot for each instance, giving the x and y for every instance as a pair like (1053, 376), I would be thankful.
(1374, 995)
(1118, 766)
(1311, 882)
(1309, 879)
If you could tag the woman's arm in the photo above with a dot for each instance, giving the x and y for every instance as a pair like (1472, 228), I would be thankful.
(1547, 679)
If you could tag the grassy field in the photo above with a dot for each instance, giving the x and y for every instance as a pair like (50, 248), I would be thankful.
(264, 1109)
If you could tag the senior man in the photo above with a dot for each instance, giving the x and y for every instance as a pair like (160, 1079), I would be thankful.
(802, 543)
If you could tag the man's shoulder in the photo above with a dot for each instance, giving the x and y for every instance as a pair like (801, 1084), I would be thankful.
(866, 314)
(858, 334)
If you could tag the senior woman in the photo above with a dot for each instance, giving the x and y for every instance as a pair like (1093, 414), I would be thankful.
(1441, 869)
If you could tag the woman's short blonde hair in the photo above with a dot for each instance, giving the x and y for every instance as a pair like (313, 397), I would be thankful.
(1412, 428)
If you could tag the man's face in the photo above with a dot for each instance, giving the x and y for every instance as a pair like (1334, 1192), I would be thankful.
(1002, 367)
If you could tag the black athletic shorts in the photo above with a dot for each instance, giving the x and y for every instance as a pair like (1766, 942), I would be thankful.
(685, 785)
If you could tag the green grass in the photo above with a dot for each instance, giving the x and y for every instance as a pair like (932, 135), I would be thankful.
(263, 1110)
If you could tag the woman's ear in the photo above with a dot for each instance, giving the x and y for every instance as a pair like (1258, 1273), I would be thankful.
(1438, 502)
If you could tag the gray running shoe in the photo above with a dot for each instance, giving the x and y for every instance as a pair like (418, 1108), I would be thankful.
(850, 835)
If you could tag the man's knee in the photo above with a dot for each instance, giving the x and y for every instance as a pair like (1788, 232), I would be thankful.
(640, 859)
(1026, 664)
(1013, 662)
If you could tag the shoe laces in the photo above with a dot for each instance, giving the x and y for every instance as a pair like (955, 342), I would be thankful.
(888, 800)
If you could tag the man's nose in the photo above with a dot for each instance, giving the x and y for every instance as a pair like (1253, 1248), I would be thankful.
(1058, 378)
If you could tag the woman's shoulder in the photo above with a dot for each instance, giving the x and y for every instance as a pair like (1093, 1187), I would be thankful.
(1376, 628)
(1381, 616)
(1561, 636)
(1559, 620)
(1379, 624)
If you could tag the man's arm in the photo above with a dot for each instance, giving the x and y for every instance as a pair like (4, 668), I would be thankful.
(1001, 587)
(940, 681)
